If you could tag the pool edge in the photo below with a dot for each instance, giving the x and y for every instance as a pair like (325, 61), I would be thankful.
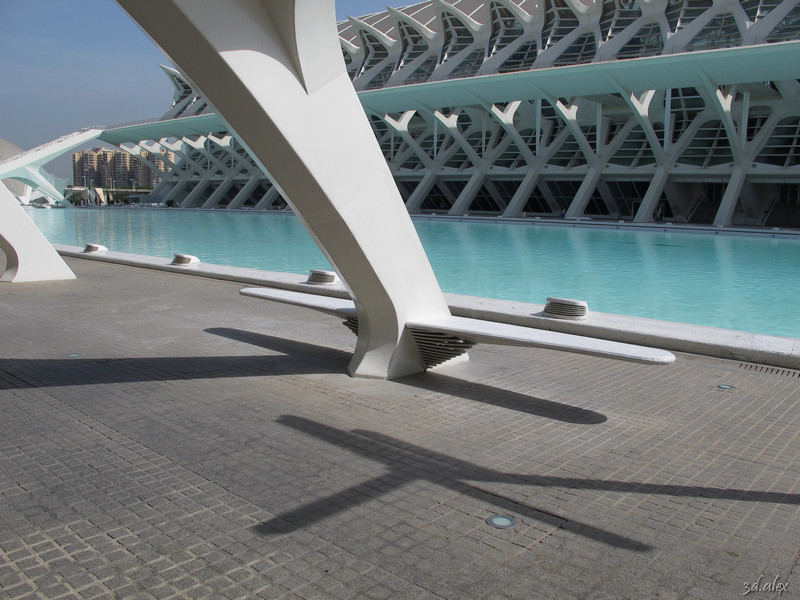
(678, 337)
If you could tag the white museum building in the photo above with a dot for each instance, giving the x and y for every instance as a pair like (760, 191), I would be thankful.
(681, 111)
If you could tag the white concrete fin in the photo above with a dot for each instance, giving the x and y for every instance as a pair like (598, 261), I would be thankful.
(332, 306)
(29, 256)
(488, 332)
(474, 331)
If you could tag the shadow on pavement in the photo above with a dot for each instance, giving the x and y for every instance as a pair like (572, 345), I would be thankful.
(429, 381)
(407, 462)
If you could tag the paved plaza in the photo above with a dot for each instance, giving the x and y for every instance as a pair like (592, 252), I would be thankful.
(162, 436)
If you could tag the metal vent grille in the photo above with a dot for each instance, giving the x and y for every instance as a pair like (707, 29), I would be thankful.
(770, 370)
(436, 347)
(565, 308)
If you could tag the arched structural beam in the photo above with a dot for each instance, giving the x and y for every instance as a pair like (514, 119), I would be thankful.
(27, 166)
(273, 71)
(282, 86)
(29, 256)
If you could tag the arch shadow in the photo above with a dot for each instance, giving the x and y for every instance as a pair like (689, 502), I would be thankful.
(406, 462)
(429, 381)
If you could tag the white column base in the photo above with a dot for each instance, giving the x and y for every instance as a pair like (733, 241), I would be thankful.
(29, 256)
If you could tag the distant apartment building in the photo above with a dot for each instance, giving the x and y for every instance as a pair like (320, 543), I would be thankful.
(106, 168)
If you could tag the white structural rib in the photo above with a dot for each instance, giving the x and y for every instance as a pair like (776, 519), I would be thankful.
(275, 73)
(489, 332)
(474, 331)
(29, 256)
(339, 307)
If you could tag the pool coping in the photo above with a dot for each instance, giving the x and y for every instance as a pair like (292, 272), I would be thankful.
(679, 337)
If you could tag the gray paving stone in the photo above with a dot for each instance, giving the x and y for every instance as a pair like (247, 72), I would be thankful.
(206, 445)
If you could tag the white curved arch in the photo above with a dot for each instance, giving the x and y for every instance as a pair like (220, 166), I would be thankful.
(29, 256)
(233, 53)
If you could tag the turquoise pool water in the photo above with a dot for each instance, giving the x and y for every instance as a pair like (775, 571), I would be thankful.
(735, 282)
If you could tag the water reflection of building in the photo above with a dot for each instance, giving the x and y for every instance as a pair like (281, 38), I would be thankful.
(606, 109)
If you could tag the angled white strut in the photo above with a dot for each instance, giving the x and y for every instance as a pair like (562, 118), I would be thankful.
(274, 71)
(29, 256)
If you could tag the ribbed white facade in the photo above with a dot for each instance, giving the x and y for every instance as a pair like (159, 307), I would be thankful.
(713, 146)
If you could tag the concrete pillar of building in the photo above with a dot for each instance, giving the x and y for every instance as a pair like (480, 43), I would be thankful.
(266, 201)
(218, 193)
(653, 194)
(275, 72)
(467, 195)
(584, 193)
(29, 256)
(173, 192)
(191, 198)
(754, 203)
(421, 192)
(244, 193)
(727, 206)
(608, 198)
(523, 193)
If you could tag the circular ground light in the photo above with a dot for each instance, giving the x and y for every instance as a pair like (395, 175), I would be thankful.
(501, 521)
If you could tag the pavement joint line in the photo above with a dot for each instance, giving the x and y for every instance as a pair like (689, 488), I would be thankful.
(170, 433)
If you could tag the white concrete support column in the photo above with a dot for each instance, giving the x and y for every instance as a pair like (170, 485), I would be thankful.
(496, 194)
(274, 71)
(755, 203)
(667, 142)
(584, 193)
(652, 195)
(180, 149)
(203, 146)
(176, 188)
(265, 202)
(506, 119)
(727, 206)
(467, 195)
(176, 177)
(570, 115)
(29, 256)
(488, 156)
(535, 162)
(163, 190)
(218, 193)
(608, 198)
(523, 193)
(461, 203)
(137, 151)
(547, 194)
(190, 199)
(421, 192)
(432, 167)
(244, 193)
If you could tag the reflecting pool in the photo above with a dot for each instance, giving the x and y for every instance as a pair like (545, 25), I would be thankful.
(730, 281)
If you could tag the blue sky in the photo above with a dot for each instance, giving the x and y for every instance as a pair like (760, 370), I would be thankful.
(68, 64)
